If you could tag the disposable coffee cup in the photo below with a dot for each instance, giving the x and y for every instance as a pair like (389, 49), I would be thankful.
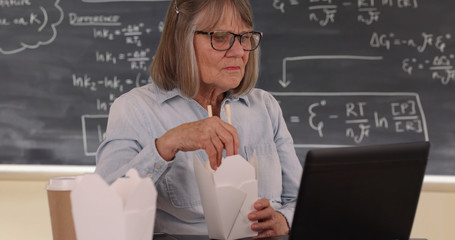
(58, 194)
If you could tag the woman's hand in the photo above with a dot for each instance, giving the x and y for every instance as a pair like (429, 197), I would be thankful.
(270, 222)
(211, 134)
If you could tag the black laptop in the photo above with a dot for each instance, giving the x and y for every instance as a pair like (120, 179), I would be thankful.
(367, 192)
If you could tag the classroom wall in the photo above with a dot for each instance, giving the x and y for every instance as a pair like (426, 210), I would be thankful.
(436, 210)
(24, 213)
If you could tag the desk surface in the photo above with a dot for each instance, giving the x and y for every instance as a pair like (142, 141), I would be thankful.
(165, 236)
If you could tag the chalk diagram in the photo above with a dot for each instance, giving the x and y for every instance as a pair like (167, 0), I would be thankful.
(93, 124)
(37, 19)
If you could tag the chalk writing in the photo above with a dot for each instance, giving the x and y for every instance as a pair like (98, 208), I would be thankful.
(108, 82)
(324, 12)
(441, 67)
(40, 18)
(138, 59)
(99, 20)
(353, 118)
(280, 4)
(14, 3)
(93, 132)
(427, 40)
(110, 28)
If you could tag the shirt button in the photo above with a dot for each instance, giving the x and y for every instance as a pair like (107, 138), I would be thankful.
(157, 165)
(149, 175)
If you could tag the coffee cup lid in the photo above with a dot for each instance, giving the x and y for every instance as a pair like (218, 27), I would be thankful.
(65, 183)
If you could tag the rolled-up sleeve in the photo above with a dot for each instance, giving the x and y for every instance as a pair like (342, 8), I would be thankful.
(128, 144)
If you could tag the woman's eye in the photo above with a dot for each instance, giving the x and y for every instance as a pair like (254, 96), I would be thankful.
(219, 37)
(246, 37)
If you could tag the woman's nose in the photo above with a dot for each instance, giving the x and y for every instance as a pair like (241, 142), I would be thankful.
(236, 49)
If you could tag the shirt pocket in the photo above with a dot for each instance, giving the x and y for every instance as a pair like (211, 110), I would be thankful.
(181, 184)
(269, 170)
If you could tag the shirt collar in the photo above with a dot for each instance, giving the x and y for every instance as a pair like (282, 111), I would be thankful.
(241, 98)
(163, 96)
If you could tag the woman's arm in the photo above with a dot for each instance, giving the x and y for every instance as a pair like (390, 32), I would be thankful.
(134, 141)
(275, 218)
(129, 143)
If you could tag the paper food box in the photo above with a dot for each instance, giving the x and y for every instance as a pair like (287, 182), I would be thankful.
(227, 195)
(124, 210)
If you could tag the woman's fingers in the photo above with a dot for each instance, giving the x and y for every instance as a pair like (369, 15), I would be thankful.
(215, 157)
(270, 223)
(229, 137)
(223, 137)
(265, 234)
(261, 204)
(263, 211)
(211, 134)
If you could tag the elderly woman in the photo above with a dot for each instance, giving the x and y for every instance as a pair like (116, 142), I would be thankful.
(208, 55)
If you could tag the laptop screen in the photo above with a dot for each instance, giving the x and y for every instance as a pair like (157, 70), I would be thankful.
(367, 192)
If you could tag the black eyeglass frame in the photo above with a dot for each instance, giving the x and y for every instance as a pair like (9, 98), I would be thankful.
(210, 34)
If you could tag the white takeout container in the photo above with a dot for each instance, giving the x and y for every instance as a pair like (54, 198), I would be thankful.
(227, 195)
(124, 210)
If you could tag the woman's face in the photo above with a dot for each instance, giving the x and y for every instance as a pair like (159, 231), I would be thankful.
(222, 70)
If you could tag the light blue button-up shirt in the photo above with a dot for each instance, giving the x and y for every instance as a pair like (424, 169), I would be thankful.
(142, 115)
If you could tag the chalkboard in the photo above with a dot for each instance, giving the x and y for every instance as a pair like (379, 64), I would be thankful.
(353, 72)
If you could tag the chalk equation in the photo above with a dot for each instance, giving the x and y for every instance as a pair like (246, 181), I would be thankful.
(420, 44)
(133, 56)
(136, 59)
(131, 33)
(38, 17)
(327, 119)
(325, 12)
(439, 65)
(110, 28)
(114, 85)
(111, 83)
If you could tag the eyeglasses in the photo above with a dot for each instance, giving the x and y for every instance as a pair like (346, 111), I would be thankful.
(223, 40)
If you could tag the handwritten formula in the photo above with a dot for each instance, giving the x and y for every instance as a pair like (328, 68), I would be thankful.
(110, 29)
(325, 12)
(353, 118)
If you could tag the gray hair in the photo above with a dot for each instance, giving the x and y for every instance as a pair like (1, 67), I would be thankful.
(175, 64)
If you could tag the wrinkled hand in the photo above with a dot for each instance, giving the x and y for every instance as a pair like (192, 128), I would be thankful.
(211, 134)
(270, 222)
